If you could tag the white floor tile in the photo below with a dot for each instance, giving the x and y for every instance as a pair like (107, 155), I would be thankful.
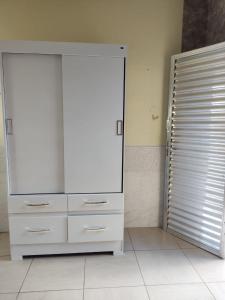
(124, 293)
(127, 242)
(166, 267)
(12, 275)
(52, 295)
(217, 289)
(180, 292)
(112, 271)
(4, 244)
(184, 245)
(210, 267)
(151, 239)
(55, 273)
(8, 296)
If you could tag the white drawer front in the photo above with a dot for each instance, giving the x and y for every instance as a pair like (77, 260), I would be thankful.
(95, 228)
(37, 203)
(38, 230)
(95, 202)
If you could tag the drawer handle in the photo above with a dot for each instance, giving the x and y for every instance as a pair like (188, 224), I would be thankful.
(95, 228)
(36, 204)
(41, 230)
(86, 202)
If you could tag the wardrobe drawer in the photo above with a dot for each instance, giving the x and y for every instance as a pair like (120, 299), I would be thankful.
(37, 203)
(38, 230)
(95, 202)
(95, 228)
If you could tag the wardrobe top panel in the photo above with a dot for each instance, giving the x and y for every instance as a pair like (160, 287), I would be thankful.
(63, 48)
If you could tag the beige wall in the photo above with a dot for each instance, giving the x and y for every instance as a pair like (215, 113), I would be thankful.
(150, 28)
(152, 31)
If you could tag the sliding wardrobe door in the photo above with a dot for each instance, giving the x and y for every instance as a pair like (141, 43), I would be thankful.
(195, 181)
(93, 121)
(34, 122)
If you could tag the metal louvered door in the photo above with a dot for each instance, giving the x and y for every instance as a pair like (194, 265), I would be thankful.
(195, 168)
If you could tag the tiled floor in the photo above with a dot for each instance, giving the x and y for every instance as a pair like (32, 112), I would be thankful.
(156, 266)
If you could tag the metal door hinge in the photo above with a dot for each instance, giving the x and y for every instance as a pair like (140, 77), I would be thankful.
(9, 126)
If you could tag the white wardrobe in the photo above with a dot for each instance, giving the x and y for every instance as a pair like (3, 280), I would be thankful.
(64, 109)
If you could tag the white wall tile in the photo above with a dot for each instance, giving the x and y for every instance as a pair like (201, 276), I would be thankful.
(144, 182)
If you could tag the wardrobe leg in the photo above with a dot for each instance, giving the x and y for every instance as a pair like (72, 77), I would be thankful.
(118, 253)
(119, 250)
(16, 256)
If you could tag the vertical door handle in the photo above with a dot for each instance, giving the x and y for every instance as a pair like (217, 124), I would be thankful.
(9, 126)
(119, 127)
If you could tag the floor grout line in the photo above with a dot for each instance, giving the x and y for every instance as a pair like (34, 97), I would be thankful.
(112, 287)
(198, 273)
(44, 291)
(139, 266)
(130, 239)
(24, 278)
(9, 293)
(85, 258)
(116, 287)
(176, 242)
(159, 249)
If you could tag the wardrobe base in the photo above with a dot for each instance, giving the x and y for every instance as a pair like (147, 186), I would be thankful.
(19, 251)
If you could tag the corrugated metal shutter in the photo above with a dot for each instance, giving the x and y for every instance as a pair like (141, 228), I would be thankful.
(195, 174)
